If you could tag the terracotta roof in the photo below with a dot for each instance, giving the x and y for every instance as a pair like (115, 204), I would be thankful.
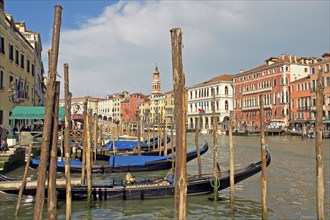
(223, 77)
(307, 78)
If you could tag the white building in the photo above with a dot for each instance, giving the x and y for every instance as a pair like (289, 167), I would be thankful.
(200, 98)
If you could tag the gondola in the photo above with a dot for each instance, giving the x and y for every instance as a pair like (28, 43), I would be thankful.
(129, 145)
(152, 152)
(130, 188)
(134, 163)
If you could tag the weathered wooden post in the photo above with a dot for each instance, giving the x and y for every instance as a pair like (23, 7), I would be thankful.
(180, 100)
(165, 138)
(197, 149)
(215, 151)
(153, 134)
(67, 147)
(52, 195)
(231, 158)
(21, 189)
(88, 146)
(83, 164)
(95, 136)
(46, 135)
(159, 121)
(139, 133)
(263, 159)
(318, 146)
(172, 143)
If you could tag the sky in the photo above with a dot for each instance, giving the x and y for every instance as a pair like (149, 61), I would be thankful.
(114, 46)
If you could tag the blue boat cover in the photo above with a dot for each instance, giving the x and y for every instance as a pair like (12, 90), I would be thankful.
(127, 144)
(135, 160)
(60, 163)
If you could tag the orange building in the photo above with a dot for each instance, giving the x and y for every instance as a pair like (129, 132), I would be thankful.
(323, 64)
(300, 102)
(272, 80)
(130, 107)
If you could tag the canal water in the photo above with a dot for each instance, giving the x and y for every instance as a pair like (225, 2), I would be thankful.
(291, 186)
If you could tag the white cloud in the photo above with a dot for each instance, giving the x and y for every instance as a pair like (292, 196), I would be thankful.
(118, 49)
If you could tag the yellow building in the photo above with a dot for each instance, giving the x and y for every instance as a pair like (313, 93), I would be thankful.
(20, 65)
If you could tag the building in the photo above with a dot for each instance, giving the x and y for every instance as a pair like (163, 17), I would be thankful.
(300, 102)
(272, 80)
(130, 107)
(200, 99)
(324, 65)
(21, 67)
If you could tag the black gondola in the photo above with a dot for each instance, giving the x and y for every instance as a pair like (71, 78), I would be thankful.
(150, 189)
(134, 163)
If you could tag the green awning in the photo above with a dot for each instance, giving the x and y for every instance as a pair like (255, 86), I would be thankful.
(32, 112)
(327, 121)
(298, 121)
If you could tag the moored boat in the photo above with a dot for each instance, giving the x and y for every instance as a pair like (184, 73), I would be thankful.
(131, 188)
(132, 163)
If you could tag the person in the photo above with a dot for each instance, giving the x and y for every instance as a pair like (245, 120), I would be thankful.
(3, 137)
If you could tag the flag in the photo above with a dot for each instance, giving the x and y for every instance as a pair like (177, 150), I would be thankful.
(25, 88)
(200, 110)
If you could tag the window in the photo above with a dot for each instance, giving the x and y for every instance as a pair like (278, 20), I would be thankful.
(2, 45)
(16, 57)
(327, 68)
(305, 70)
(226, 90)
(22, 61)
(28, 66)
(274, 82)
(226, 105)
(292, 88)
(1, 80)
(32, 69)
(313, 70)
(11, 52)
(327, 81)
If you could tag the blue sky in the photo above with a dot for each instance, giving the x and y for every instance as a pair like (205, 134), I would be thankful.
(112, 46)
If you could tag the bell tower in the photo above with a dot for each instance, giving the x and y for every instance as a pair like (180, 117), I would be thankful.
(156, 89)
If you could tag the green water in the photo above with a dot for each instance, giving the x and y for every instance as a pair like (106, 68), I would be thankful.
(291, 186)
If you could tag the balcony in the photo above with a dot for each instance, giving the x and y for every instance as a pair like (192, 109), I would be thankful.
(256, 107)
(257, 91)
(304, 109)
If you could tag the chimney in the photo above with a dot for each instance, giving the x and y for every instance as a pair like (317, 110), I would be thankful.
(2, 5)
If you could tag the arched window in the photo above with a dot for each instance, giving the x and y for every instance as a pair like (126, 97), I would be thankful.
(226, 90)
(226, 105)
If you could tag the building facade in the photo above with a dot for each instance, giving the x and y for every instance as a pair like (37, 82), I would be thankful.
(130, 107)
(200, 99)
(20, 67)
(271, 80)
(324, 65)
(300, 102)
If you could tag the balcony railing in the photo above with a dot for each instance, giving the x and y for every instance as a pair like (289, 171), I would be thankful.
(255, 107)
(257, 91)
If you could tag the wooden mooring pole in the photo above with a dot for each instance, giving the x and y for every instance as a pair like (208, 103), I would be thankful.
(20, 193)
(52, 195)
(231, 158)
(263, 159)
(46, 135)
(88, 146)
(83, 164)
(139, 133)
(67, 147)
(197, 148)
(318, 146)
(180, 100)
(215, 152)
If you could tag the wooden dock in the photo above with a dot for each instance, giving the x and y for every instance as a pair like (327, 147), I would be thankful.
(15, 185)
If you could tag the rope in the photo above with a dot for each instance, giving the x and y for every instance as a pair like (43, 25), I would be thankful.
(211, 182)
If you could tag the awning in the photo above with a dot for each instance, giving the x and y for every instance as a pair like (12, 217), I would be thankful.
(32, 112)
(298, 121)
